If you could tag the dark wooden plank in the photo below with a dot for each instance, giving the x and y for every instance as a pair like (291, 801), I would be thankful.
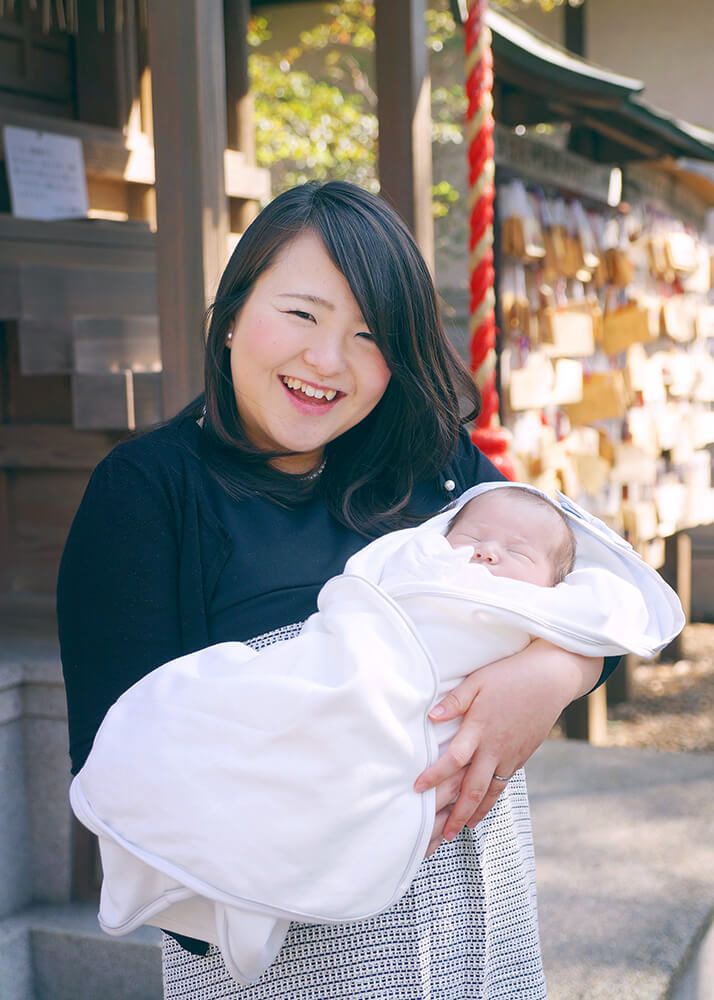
(42, 504)
(35, 64)
(620, 684)
(51, 298)
(106, 71)
(575, 31)
(103, 401)
(112, 343)
(9, 293)
(46, 446)
(703, 573)
(86, 243)
(45, 346)
(404, 109)
(6, 542)
(5, 378)
(677, 571)
(46, 292)
(39, 398)
(147, 399)
(86, 864)
(586, 718)
(186, 53)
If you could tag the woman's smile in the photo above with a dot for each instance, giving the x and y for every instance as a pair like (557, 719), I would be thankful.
(312, 398)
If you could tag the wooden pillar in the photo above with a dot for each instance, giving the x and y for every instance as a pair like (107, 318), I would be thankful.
(239, 100)
(620, 684)
(404, 110)
(241, 134)
(575, 39)
(677, 572)
(586, 718)
(186, 54)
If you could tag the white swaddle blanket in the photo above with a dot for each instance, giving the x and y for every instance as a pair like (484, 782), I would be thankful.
(234, 791)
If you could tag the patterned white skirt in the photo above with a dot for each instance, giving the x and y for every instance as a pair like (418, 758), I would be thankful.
(467, 929)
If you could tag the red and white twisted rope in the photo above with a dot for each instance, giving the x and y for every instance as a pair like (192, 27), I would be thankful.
(482, 315)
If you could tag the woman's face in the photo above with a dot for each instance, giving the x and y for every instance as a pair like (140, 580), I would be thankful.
(304, 365)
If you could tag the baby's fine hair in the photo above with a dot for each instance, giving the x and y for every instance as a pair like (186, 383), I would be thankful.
(564, 554)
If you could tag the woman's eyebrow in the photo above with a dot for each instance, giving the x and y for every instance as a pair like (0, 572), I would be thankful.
(305, 297)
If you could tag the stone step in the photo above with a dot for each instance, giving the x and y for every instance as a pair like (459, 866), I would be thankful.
(59, 953)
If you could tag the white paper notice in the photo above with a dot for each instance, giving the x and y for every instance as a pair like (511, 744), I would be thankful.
(45, 174)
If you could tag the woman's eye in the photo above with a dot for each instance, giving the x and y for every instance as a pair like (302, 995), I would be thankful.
(301, 314)
(366, 335)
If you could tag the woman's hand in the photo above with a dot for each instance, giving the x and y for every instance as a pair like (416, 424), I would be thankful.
(509, 708)
(447, 792)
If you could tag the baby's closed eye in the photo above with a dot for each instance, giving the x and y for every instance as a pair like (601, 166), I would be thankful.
(523, 555)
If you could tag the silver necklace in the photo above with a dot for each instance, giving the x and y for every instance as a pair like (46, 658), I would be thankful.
(308, 477)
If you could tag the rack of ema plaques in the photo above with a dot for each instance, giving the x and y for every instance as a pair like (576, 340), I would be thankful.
(607, 362)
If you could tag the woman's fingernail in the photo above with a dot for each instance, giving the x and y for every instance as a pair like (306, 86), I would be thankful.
(449, 836)
(420, 786)
(437, 711)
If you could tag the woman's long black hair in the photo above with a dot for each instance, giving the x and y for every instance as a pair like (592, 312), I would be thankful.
(412, 432)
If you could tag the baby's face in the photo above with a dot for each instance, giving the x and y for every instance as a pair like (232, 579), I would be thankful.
(511, 536)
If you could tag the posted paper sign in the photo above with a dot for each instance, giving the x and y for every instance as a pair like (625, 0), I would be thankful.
(45, 174)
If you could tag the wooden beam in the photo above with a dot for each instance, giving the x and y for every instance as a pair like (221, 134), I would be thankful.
(111, 156)
(52, 446)
(186, 53)
(244, 179)
(404, 110)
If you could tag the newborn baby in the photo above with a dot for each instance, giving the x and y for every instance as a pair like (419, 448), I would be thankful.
(518, 534)
(299, 760)
(515, 534)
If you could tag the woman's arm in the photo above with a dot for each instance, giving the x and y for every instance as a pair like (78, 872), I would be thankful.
(117, 603)
(508, 708)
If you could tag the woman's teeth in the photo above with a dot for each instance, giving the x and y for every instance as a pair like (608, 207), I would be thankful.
(309, 390)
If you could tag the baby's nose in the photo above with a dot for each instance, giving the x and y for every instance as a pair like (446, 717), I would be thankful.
(486, 553)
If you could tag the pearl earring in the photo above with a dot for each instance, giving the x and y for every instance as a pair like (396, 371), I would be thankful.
(229, 337)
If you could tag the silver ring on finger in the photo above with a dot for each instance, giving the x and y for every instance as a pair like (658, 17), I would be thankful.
(499, 777)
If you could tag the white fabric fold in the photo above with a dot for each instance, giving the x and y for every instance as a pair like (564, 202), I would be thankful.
(233, 791)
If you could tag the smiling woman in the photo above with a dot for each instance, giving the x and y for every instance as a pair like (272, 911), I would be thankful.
(331, 415)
